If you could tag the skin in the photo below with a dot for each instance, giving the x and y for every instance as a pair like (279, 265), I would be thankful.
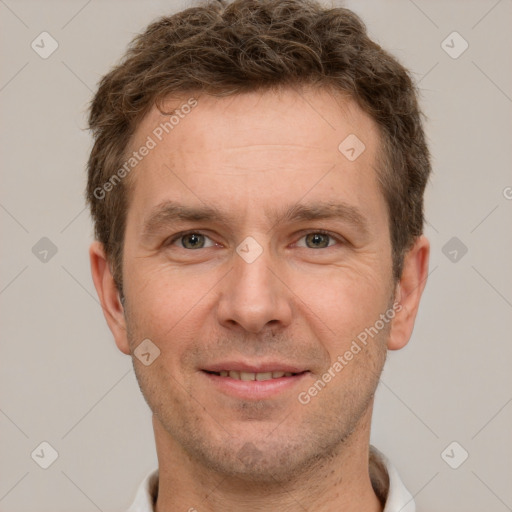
(297, 303)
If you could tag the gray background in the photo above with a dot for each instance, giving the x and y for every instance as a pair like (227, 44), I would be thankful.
(62, 380)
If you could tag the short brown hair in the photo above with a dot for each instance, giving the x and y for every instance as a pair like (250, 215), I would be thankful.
(224, 48)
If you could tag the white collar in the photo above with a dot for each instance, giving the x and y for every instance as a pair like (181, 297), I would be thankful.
(398, 497)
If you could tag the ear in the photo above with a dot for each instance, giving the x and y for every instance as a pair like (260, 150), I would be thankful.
(408, 293)
(108, 295)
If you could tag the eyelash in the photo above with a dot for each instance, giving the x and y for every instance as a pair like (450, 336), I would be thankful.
(338, 239)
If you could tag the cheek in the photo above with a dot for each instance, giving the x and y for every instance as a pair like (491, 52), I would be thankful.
(344, 302)
(161, 303)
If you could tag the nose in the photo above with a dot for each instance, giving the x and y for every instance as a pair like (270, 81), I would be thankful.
(254, 296)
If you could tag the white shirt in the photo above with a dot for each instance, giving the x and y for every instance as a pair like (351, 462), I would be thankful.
(385, 481)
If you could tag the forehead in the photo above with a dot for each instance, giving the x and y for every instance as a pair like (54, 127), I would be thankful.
(252, 147)
(306, 116)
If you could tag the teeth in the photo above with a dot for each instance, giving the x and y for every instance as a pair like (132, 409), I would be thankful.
(264, 376)
(248, 376)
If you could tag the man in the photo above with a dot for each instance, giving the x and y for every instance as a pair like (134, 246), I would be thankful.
(256, 184)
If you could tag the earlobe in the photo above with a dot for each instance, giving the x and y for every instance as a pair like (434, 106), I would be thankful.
(409, 290)
(108, 295)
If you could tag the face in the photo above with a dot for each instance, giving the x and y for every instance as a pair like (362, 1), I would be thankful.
(256, 252)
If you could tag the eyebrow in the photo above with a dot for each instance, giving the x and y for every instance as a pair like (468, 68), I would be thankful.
(169, 212)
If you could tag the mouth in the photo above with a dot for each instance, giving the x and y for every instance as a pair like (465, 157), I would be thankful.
(249, 376)
(251, 382)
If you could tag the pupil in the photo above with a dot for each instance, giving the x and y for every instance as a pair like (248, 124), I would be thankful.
(318, 239)
(192, 240)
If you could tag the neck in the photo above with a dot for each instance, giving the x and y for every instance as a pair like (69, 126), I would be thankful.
(341, 483)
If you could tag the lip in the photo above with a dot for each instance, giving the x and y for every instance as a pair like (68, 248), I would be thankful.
(240, 366)
(254, 389)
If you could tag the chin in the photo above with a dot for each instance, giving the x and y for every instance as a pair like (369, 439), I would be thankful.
(271, 460)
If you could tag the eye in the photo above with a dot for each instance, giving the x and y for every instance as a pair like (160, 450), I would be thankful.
(318, 240)
(190, 240)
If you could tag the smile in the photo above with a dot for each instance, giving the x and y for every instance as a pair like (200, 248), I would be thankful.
(248, 376)
(253, 382)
